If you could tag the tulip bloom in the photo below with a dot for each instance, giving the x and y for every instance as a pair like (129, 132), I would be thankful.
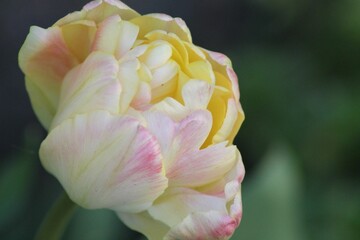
(140, 120)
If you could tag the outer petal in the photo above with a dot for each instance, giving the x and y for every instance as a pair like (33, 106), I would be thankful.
(45, 59)
(204, 226)
(198, 168)
(144, 223)
(93, 85)
(98, 10)
(232, 122)
(177, 203)
(105, 161)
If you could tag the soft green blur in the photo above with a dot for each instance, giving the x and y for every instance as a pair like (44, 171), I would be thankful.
(299, 74)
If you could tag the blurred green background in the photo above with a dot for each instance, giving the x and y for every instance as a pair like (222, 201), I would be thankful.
(298, 63)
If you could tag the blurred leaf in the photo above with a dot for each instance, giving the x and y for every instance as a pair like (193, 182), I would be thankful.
(97, 224)
(17, 178)
(271, 200)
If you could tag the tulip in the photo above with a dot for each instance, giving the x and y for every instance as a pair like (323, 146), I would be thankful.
(140, 120)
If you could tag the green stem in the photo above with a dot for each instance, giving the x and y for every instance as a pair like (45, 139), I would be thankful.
(56, 220)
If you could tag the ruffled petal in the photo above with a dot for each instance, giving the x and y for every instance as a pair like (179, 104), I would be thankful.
(93, 85)
(45, 59)
(198, 168)
(105, 161)
(155, 21)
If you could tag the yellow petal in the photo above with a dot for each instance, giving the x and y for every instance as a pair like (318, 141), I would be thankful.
(79, 37)
(151, 22)
(157, 55)
(201, 70)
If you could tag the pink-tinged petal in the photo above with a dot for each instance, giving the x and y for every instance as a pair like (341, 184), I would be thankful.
(93, 85)
(172, 108)
(202, 167)
(105, 161)
(45, 59)
(220, 58)
(204, 226)
(177, 203)
(144, 223)
(185, 164)
(151, 22)
(193, 130)
(229, 185)
(101, 9)
(141, 100)
(197, 94)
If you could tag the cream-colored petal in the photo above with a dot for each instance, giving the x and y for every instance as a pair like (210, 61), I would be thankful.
(177, 203)
(105, 161)
(127, 37)
(164, 73)
(43, 108)
(157, 55)
(130, 82)
(197, 168)
(179, 51)
(99, 10)
(106, 38)
(197, 94)
(45, 60)
(210, 225)
(144, 223)
(93, 85)
(229, 185)
(151, 22)
(170, 107)
(141, 100)
(115, 36)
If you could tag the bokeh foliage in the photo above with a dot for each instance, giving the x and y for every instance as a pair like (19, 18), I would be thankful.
(298, 63)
